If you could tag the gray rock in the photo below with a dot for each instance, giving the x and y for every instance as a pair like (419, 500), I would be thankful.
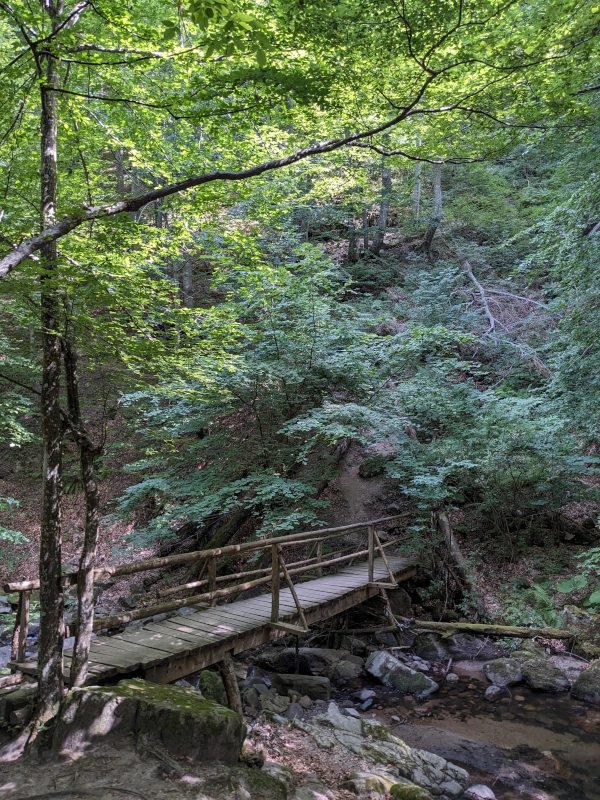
(5, 655)
(366, 694)
(186, 611)
(503, 671)
(177, 720)
(400, 602)
(402, 791)
(5, 609)
(465, 645)
(392, 672)
(250, 697)
(369, 703)
(294, 711)
(364, 783)
(313, 686)
(452, 677)
(480, 792)
(377, 744)
(316, 661)
(493, 693)
(431, 647)
(313, 791)
(587, 626)
(281, 773)
(354, 645)
(543, 676)
(587, 685)
(352, 712)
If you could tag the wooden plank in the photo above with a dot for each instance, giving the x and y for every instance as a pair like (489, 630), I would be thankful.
(161, 642)
(199, 630)
(282, 626)
(185, 633)
(275, 583)
(145, 654)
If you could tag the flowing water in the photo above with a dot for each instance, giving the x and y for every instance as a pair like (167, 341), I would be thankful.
(528, 744)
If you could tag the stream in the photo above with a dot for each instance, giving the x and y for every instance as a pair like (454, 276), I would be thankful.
(527, 744)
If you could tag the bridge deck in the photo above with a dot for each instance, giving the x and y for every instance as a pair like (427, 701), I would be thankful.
(166, 651)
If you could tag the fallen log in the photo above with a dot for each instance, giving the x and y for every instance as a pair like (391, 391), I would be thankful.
(477, 629)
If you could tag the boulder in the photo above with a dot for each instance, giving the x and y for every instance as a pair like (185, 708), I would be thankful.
(281, 773)
(377, 744)
(176, 719)
(251, 755)
(480, 792)
(431, 647)
(313, 686)
(392, 672)
(276, 704)
(587, 685)
(212, 687)
(354, 645)
(465, 645)
(587, 627)
(543, 676)
(363, 783)
(317, 661)
(400, 602)
(404, 791)
(503, 671)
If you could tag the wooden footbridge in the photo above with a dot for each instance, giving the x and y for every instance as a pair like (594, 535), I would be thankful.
(329, 579)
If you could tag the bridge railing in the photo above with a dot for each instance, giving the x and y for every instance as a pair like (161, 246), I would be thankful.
(317, 561)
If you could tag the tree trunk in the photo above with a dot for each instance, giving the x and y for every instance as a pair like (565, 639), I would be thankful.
(232, 689)
(50, 681)
(436, 219)
(188, 283)
(386, 191)
(365, 223)
(417, 191)
(351, 240)
(87, 561)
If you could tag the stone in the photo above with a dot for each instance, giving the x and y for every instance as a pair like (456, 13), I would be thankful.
(258, 783)
(431, 647)
(347, 669)
(480, 792)
(313, 686)
(352, 712)
(543, 676)
(503, 671)
(369, 703)
(363, 783)
(587, 685)
(404, 791)
(276, 704)
(467, 646)
(173, 718)
(212, 687)
(452, 677)
(366, 694)
(315, 661)
(354, 645)
(294, 711)
(400, 602)
(313, 791)
(251, 755)
(281, 773)
(587, 627)
(377, 744)
(393, 673)
(186, 611)
(250, 698)
(493, 693)
(306, 702)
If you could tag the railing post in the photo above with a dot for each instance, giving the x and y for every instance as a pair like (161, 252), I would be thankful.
(19, 640)
(320, 558)
(274, 583)
(371, 553)
(212, 578)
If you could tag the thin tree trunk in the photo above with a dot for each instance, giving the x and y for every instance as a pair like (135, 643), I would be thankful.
(188, 283)
(365, 223)
(50, 682)
(87, 561)
(417, 191)
(386, 191)
(351, 240)
(436, 219)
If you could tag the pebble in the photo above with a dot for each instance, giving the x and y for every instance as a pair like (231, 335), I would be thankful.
(493, 693)
(452, 677)
(394, 718)
(367, 704)
(352, 712)
(366, 694)
(519, 698)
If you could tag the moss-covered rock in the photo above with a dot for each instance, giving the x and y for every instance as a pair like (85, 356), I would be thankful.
(212, 687)
(402, 791)
(178, 720)
(503, 671)
(542, 676)
(363, 783)
(587, 685)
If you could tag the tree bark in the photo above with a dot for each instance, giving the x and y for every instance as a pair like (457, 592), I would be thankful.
(232, 689)
(365, 223)
(436, 219)
(386, 191)
(87, 562)
(188, 283)
(417, 191)
(50, 682)
(351, 240)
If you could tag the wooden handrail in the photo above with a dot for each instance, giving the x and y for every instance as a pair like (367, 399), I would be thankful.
(70, 578)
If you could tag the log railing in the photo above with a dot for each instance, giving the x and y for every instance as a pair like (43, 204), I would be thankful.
(316, 562)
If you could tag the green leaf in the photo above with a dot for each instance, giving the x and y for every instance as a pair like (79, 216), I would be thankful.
(593, 599)
(571, 584)
(261, 57)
